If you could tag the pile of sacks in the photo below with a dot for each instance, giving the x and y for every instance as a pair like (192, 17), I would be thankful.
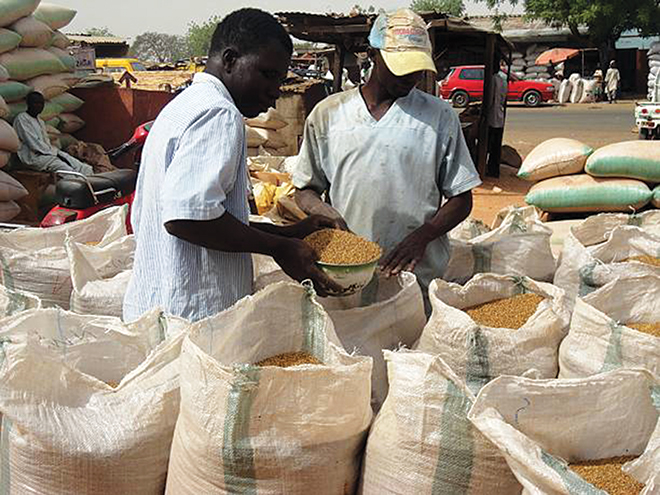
(576, 89)
(571, 177)
(160, 405)
(10, 189)
(524, 64)
(263, 136)
(34, 57)
(654, 72)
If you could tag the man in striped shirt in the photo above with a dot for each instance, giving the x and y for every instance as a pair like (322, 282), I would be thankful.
(190, 214)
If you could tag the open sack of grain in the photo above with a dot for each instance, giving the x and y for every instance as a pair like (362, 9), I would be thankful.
(584, 193)
(100, 276)
(496, 325)
(89, 404)
(546, 428)
(555, 157)
(631, 159)
(422, 441)
(616, 326)
(520, 245)
(596, 253)
(271, 429)
(35, 260)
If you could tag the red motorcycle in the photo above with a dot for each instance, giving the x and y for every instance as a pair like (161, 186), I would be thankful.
(78, 196)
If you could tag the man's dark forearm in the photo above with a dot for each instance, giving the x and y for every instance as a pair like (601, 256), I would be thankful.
(226, 234)
(448, 216)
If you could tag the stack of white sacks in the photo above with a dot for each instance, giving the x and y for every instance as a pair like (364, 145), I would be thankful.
(524, 64)
(654, 74)
(34, 57)
(263, 134)
(576, 89)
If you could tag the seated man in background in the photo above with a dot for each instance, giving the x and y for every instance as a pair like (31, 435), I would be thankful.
(36, 151)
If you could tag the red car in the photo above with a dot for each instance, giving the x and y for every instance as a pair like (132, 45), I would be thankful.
(466, 83)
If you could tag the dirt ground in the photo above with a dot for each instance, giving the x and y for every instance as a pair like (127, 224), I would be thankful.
(594, 124)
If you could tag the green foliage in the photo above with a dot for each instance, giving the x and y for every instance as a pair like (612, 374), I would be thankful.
(96, 31)
(199, 36)
(159, 47)
(359, 9)
(454, 8)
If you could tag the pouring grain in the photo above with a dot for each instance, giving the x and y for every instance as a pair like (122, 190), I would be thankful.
(512, 312)
(338, 247)
(648, 260)
(649, 328)
(606, 474)
(289, 359)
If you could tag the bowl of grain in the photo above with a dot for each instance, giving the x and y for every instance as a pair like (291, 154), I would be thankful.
(349, 260)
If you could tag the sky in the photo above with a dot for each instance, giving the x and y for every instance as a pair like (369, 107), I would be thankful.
(128, 18)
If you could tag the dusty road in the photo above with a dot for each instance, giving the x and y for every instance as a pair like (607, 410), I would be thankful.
(594, 124)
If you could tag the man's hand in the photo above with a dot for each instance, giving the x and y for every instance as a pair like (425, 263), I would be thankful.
(311, 224)
(310, 202)
(408, 253)
(298, 261)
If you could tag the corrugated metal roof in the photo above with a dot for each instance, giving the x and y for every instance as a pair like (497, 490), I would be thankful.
(96, 40)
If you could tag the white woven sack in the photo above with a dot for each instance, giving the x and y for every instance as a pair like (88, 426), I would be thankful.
(273, 139)
(100, 276)
(253, 138)
(599, 339)
(35, 260)
(271, 119)
(578, 90)
(70, 123)
(519, 246)
(387, 314)
(422, 441)
(541, 425)
(555, 157)
(10, 188)
(34, 33)
(477, 353)
(269, 430)
(589, 93)
(13, 302)
(527, 213)
(565, 90)
(584, 267)
(13, 10)
(89, 404)
(468, 229)
(9, 210)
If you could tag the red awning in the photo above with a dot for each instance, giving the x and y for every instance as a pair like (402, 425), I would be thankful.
(556, 55)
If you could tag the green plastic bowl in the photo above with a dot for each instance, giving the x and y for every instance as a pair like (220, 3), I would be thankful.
(352, 278)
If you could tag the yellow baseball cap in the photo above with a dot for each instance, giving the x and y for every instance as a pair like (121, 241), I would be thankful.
(403, 41)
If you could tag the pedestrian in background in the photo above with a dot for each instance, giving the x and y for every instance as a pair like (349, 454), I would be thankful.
(612, 81)
(500, 88)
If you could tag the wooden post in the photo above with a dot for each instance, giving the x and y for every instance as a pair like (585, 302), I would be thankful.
(482, 148)
(338, 68)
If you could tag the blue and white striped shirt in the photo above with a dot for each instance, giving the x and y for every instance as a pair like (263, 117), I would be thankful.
(193, 168)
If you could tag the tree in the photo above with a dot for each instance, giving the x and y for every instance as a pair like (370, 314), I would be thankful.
(159, 47)
(102, 31)
(605, 19)
(454, 8)
(199, 36)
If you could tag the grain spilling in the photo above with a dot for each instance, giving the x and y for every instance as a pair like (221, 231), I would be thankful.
(512, 312)
(606, 474)
(648, 260)
(649, 328)
(289, 359)
(338, 247)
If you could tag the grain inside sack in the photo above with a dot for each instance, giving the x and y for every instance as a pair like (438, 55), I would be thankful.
(606, 474)
(648, 260)
(289, 359)
(648, 328)
(339, 247)
(512, 312)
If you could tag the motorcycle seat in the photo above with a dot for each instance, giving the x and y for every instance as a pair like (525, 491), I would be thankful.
(73, 192)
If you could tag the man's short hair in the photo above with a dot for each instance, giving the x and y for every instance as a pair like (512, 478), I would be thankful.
(248, 30)
(34, 95)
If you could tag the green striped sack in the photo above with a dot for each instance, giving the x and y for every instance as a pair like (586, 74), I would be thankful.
(13, 10)
(8, 40)
(630, 159)
(269, 429)
(26, 63)
(55, 16)
(12, 91)
(422, 440)
(68, 102)
(542, 425)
